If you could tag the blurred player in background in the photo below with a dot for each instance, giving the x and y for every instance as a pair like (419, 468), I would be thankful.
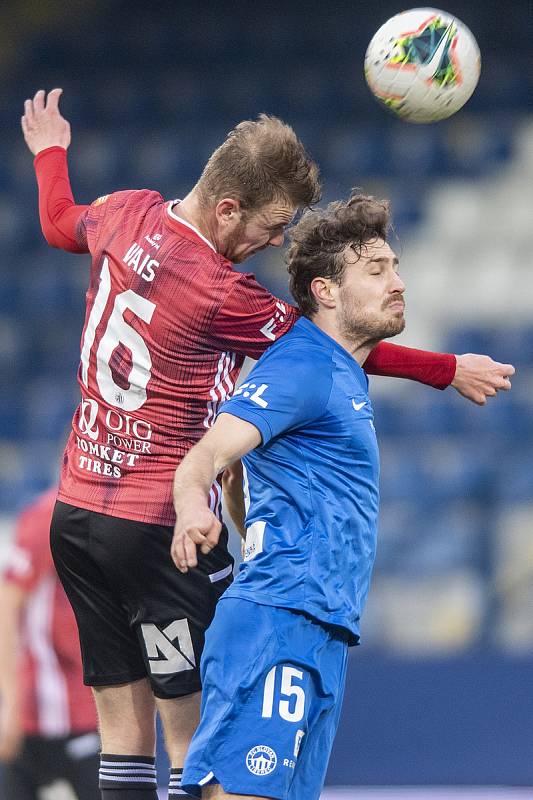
(48, 736)
(274, 663)
(168, 325)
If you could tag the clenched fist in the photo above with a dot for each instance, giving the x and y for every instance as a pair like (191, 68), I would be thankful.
(479, 377)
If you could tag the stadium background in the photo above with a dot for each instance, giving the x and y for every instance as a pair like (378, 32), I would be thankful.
(440, 693)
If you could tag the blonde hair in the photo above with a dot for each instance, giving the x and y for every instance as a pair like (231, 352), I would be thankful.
(260, 161)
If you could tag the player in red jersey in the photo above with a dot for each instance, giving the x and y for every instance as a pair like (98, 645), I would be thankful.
(48, 733)
(167, 327)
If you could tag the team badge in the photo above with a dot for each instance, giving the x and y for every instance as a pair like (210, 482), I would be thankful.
(261, 760)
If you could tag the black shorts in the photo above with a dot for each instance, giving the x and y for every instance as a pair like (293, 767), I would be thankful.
(138, 615)
(50, 764)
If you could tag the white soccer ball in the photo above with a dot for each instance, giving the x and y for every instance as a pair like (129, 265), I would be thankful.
(423, 64)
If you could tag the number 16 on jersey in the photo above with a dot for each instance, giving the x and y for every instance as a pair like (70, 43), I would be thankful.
(118, 331)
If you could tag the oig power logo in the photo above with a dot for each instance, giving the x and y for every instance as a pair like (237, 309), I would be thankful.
(261, 760)
(87, 422)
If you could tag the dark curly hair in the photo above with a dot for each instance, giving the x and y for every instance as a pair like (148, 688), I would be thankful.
(320, 237)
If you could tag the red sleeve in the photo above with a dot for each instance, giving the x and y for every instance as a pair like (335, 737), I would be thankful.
(60, 216)
(250, 318)
(395, 361)
(29, 557)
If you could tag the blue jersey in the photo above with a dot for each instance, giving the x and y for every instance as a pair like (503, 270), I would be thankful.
(312, 484)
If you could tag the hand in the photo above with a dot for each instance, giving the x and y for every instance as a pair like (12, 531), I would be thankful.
(42, 124)
(11, 735)
(479, 377)
(197, 526)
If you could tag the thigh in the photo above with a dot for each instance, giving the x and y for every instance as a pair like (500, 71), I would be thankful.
(315, 748)
(168, 611)
(270, 676)
(109, 647)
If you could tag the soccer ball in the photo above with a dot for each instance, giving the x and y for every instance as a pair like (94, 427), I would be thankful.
(423, 64)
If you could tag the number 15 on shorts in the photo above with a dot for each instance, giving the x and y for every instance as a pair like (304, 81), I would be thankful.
(290, 705)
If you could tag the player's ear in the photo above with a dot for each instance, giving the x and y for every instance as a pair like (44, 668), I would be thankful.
(322, 289)
(228, 211)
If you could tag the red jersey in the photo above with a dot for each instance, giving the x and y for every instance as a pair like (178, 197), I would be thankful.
(54, 700)
(168, 325)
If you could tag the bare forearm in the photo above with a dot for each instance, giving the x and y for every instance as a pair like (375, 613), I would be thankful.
(194, 476)
(228, 440)
(196, 525)
(232, 485)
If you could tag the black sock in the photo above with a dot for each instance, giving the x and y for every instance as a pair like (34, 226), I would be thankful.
(174, 787)
(125, 777)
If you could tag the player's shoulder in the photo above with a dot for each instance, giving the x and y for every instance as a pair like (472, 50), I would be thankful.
(248, 285)
(299, 359)
(305, 345)
(129, 201)
(132, 198)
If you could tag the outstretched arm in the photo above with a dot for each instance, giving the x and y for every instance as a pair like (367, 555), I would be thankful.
(228, 440)
(475, 377)
(396, 361)
(47, 135)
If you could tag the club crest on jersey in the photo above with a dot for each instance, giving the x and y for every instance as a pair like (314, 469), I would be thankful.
(87, 421)
(261, 760)
(154, 240)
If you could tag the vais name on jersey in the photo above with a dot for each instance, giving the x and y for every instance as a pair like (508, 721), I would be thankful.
(140, 262)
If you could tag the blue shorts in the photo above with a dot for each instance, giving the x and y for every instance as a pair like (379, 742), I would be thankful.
(273, 684)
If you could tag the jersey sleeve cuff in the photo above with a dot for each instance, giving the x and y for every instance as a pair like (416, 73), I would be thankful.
(251, 416)
(56, 148)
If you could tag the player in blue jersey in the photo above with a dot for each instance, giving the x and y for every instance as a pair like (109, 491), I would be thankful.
(274, 664)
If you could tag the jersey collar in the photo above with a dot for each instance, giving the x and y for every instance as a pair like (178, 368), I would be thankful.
(185, 228)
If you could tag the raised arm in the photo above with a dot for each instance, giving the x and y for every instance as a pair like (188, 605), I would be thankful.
(47, 135)
(196, 525)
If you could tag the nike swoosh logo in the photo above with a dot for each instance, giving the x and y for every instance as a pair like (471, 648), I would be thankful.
(430, 68)
(358, 406)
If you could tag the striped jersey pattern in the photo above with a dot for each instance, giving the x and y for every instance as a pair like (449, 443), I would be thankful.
(168, 325)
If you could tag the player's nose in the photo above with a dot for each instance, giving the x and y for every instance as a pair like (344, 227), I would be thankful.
(277, 240)
(397, 285)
